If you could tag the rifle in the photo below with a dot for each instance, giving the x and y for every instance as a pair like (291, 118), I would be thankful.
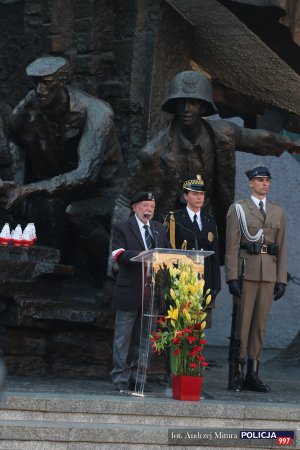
(236, 363)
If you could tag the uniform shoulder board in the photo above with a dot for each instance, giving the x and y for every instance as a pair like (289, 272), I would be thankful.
(274, 203)
(208, 216)
(232, 207)
(205, 213)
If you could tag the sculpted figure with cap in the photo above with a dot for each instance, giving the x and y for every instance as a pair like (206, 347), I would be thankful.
(72, 158)
(194, 144)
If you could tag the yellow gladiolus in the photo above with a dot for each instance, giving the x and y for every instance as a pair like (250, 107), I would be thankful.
(172, 313)
(192, 288)
(188, 317)
(200, 286)
(203, 325)
(185, 289)
(172, 293)
(208, 299)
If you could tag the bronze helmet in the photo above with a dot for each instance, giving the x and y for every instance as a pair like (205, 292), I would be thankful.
(189, 84)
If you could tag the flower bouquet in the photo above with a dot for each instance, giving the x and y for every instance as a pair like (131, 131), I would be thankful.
(182, 329)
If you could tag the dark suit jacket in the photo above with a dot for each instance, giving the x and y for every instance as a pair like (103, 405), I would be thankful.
(207, 239)
(126, 234)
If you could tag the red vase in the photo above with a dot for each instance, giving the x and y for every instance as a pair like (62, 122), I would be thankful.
(186, 387)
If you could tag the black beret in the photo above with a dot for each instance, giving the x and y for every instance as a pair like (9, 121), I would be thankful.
(142, 197)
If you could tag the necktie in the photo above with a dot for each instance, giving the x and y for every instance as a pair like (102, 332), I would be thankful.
(261, 208)
(196, 223)
(148, 238)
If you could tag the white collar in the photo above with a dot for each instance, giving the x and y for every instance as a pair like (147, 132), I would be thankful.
(256, 201)
(141, 224)
(192, 214)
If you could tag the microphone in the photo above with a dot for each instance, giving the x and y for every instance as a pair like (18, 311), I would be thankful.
(156, 235)
(185, 228)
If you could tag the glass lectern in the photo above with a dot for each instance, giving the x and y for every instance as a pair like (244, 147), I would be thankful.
(152, 261)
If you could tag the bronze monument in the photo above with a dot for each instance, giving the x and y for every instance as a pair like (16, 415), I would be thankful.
(193, 144)
(72, 164)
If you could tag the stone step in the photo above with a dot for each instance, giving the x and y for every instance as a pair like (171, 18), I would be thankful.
(36, 435)
(150, 410)
(91, 422)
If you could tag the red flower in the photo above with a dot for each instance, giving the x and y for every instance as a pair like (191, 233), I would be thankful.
(161, 321)
(193, 365)
(187, 330)
(193, 353)
(204, 363)
(202, 341)
(191, 339)
(178, 334)
(200, 358)
(198, 348)
(176, 341)
(197, 326)
(176, 352)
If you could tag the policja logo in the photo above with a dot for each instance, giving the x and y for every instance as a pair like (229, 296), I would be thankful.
(265, 434)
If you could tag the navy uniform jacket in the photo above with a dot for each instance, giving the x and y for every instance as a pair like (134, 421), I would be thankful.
(207, 240)
(126, 234)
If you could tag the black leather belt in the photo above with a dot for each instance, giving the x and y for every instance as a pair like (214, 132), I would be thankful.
(254, 248)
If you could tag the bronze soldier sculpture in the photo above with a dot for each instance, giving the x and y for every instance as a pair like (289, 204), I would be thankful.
(194, 144)
(72, 159)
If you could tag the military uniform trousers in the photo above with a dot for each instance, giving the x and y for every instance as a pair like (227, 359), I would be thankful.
(253, 309)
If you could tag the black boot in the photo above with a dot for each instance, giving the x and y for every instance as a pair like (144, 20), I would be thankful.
(236, 376)
(252, 382)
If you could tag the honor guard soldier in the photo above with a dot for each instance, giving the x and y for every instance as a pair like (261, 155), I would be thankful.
(192, 228)
(256, 272)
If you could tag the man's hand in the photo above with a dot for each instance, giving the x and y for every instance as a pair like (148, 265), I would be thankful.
(10, 194)
(234, 288)
(279, 290)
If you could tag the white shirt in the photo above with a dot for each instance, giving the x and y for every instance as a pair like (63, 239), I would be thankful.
(256, 201)
(117, 252)
(142, 229)
(192, 214)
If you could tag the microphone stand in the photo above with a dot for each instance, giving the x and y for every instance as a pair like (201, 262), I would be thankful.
(186, 228)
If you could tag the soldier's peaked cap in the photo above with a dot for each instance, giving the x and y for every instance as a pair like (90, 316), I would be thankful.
(258, 171)
(142, 197)
(46, 65)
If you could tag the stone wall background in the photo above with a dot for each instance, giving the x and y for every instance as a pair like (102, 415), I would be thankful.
(125, 52)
